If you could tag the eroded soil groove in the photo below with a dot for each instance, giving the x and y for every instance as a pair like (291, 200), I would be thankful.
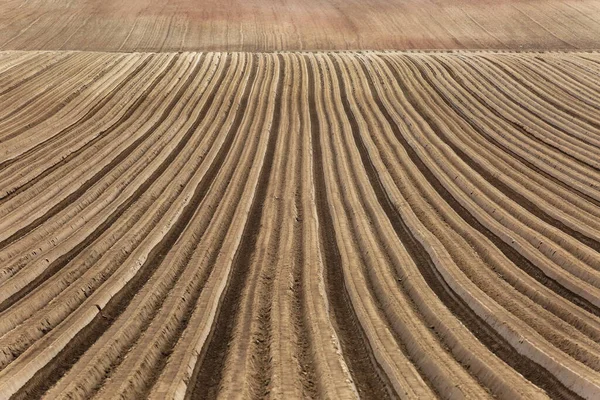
(286, 225)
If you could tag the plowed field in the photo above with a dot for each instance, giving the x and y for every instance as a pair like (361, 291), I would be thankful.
(373, 224)
(263, 25)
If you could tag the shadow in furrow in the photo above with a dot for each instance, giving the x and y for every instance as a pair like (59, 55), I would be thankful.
(526, 131)
(208, 372)
(300, 318)
(71, 198)
(492, 179)
(369, 379)
(73, 92)
(484, 332)
(52, 64)
(93, 110)
(63, 260)
(514, 256)
(55, 369)
(549, 99)
(467, 87)
(194, 292)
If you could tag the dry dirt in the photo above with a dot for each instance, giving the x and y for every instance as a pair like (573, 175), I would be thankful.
(295, 225)
(261, 25)
(196, 203)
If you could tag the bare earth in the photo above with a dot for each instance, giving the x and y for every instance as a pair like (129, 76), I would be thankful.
(373, 224)
(260, 25)
(197, 203)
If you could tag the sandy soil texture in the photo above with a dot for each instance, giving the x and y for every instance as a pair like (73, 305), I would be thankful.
(299, 225)
(261, 25)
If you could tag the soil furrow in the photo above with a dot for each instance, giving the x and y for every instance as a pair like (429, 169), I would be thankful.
(514, 256)
(75, 195)
(59, 365)
(512, 114)
(368, 376)
(358, 224)
(74, 89)
(492, 179)
(111, 219)
(89, 114)
(476, 325)
(145, 308)
(541, 117)
(210, 370)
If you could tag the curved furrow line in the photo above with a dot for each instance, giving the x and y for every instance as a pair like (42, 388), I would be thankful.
(590, 57)
(570, 79)
(281, 313)
(484, 167)
(349, 170)
(361, 357)
(377, 262)
(117, 79)
(533, 97)
(171, 148)
(12, 75)
(544, 328)
(249, 358)
(13, 127)
(544, 92)
(587, 69)
(579, 71)
(67, 205)
(67, 138)
(135, 225)
(293, 369)
(560, 85)
(535, 347)
(575, 75)
(216, 304)
(469, 263)
(145, 115)
(568, 316)
(470, 123)
(173, 318)
(461, 101)
(322, 345)
(48, 82)
(124, 283)
(533, 158)
(566, 252)
(536, 126)
(242, 272)
(586, 66)
(519, 260)
(47, 183)
(12, 62)
(551, 156)
(536, 237)
(173, 289)
(246, 366)
(20, 172)
(464, 347)
(561, 80)
(61, 197)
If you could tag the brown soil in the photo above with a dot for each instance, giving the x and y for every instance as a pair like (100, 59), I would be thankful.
(300, 225)
(258, 25)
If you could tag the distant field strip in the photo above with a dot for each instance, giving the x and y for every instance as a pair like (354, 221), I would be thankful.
(263, 25)
(299, 225)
